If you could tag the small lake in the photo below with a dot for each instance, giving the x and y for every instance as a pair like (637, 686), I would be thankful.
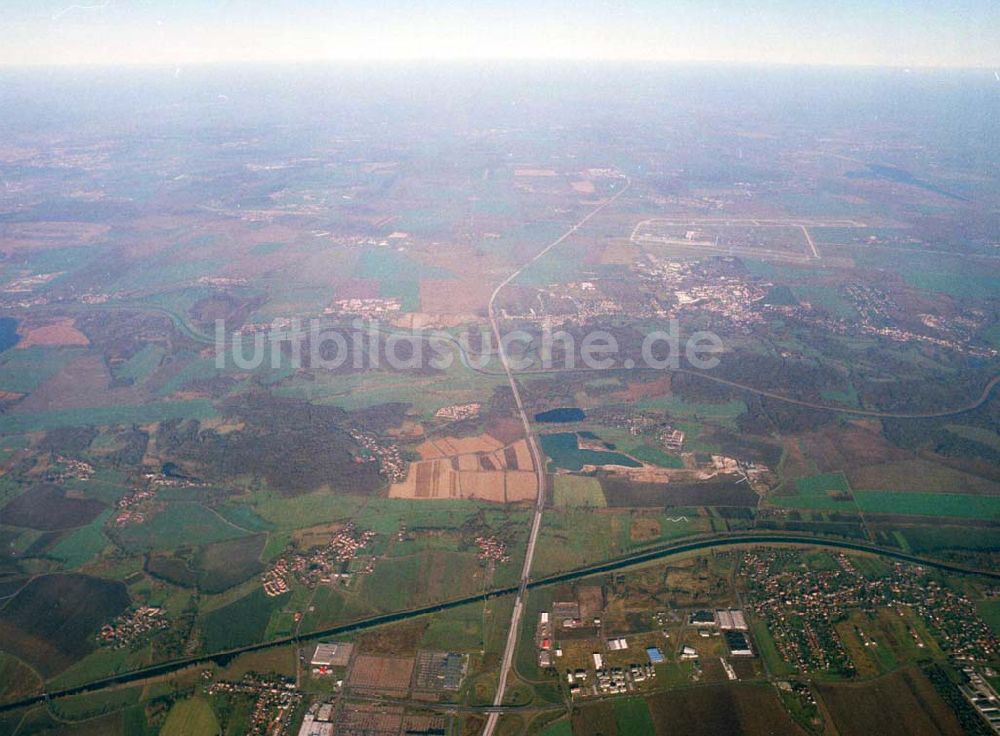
(562, 415)
(8, 333)
(564, 449)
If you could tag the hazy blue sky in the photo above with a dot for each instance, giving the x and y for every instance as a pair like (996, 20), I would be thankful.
(880, 32)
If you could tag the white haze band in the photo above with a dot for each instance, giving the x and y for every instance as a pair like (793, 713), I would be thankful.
(365, 345)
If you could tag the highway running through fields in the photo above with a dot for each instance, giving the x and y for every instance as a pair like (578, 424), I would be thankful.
(536, 458)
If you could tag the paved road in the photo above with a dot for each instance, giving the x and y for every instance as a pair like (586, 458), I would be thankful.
(536, 458)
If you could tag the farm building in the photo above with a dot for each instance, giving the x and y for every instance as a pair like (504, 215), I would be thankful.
(702, 618)
(738, 644)
(731, 619)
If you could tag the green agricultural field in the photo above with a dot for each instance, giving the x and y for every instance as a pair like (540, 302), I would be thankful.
(822, 483)
(198, 369)
(559, 728)
(191, 717)
(387, 264)
(13, 423)
(981, 435)
(990, 611)
(575, 537)
(309, 509)
(385, 515)
(181, 523)
(243, 516)
(242, 622)
(829, 298)
(266, 249)
(959, 505)
(455, 629)
(24, 369)
(429, 577)
(577, 490)
(656, 456)
(139, 367)
(230, 562)
(80, 707)
(82, 545)
(632, 716)
(822, 492)
(935, 537)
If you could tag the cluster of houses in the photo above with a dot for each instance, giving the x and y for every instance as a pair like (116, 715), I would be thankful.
(321, 565)
(131, 627)
(492, 549)
(127, 511)
(71, 470)
(801, 606)
(388, 456)
(458, 412)
(276, 702)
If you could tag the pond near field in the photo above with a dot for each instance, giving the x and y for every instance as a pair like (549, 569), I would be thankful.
(8, 333)
(561, 415)
(565, 451)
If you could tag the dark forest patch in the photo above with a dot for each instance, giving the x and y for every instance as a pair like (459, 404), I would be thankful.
(53, 620)
(47, 508)
(295, 446)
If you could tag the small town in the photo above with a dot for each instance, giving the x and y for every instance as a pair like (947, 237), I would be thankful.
(131, 628)
(276, 702)
(800, 608)
(322, 565)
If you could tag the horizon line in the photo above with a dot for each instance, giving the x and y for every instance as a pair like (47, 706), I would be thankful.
(499, 60)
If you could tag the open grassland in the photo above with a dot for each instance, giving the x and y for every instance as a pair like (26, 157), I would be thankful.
(241, 622)
(140, 366)
(159, 411)
(79, 708)
(179, 523)
(595, 719)
(559, 728)
(821, 492)
(191, 717)
(421, 579)
(230, 562)
(753, 710)
(901, 704)
(455, 629)
(17, 680)
(990, 611)
(577, 490)
(575, 537)
(213, 568)
(83, 545)
(916, 475)
(957, 505)
(632, 716)
(22, 371)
